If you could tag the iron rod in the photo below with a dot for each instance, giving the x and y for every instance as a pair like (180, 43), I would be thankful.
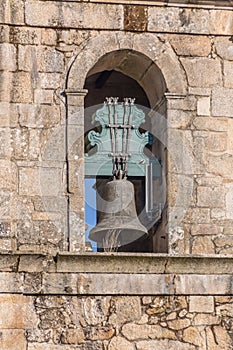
(112, 132)
(117, 160)
(131, 100)
(124, 139)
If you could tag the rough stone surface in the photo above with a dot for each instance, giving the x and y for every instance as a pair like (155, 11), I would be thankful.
(205, 319)
(12, 12)
(193, 335)
(218, 338)
(9, 114)
(81, 322)
(203, 106)
(224, 47)
(21, 88)
(163, 345)
(220, 165)
(203, 245)
(7, 57)
(211, 124)
(135, 18)
(201, 304)
(8, 175)
(185, 20)
(175, 20)
(211, 71)
(120, 343)
(132, 332)
(15, 311)
(187, 283)
(181, 56)
(228, 83)
(217, 142)
(229, 201)
(210, 197)
(190, 45)
(123, 307)
(41, 182)
(38, 116)
(13, 339)
(205, 229)
(222, 102)
(80, 15)
(179, 324)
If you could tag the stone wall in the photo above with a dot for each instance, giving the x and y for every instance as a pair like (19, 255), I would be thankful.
(194, 51)
(88, 302)
(98, 323)
(140, 303)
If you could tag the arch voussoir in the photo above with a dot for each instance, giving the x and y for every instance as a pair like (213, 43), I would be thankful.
(147, 44)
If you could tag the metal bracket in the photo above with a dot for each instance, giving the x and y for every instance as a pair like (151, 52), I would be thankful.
(120, 144)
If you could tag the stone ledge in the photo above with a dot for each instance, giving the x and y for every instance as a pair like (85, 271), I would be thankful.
(114, 284)
(144, 263)
(136, 284)
(115, 274)
(180, 3)
(116, 263)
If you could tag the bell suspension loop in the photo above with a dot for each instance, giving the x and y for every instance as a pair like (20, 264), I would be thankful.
(120, 156)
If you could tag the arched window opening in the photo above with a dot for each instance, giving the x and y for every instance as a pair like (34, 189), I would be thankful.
(118, 80)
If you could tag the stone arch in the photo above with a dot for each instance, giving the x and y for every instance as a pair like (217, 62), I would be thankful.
(159, 72)
(138, 67)
(156, 54)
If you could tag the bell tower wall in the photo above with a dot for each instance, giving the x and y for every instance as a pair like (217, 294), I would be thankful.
(54, 294)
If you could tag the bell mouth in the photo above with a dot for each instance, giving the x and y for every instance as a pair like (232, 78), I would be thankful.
(124, 230)
(125, 238)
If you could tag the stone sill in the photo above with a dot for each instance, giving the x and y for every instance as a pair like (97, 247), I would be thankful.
(115, 274)
(209, 4)
(143, 263)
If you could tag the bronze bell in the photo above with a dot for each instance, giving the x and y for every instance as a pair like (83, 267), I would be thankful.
(118, 222)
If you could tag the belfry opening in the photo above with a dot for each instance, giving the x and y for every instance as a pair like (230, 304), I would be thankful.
(129, 75)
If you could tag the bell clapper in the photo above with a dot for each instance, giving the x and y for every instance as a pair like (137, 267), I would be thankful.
(111, 241)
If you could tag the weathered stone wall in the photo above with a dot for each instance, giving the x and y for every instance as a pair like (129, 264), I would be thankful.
(36, 51)
(70, 302)
(98, 323)
(48, 303)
